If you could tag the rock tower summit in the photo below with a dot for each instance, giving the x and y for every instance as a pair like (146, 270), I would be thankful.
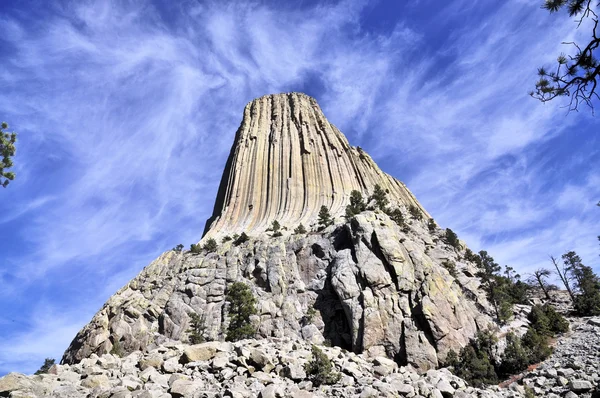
(286, 162)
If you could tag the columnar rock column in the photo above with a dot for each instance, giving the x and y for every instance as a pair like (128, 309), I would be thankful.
(286, 162)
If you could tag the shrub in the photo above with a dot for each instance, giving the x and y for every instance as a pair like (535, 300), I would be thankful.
(242, 305)
(475, 362)
(178, 248)
(452, 239)
(397, 216)
(587, 303)
(515, 357)
(276, 227)
(300, 230)
(197, 328)
(450, 267)
(536, 345)
(310, 316)
(226, 238)
(518, 292)
(379, 196)
(48, 363)
(357, 204)
(558, 323)
(324, 217)
(415, 212)
(472, 257)
(475, 367)
(210, 245)
(431, 225)
(117, 349)
(195, 248)
(242, 238)
(320, 369)
(529, 392)
(546, 321)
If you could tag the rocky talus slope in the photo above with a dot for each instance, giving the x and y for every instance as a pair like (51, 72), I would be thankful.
(372, 282)
(574, 368)
(274, 367)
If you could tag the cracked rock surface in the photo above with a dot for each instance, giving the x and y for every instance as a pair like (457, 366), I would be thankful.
(372, 284)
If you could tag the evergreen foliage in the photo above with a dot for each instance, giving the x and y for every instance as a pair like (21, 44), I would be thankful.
(533, 347)
(196, 248)
(488, 270)
(242, 305)
(581, 282)
(472, 257)
(451, 267)
(210, 245)
(242, 238)
(379, 196)
(300, 230)
(586, 283)
(7, 152)
(320, 369)
(431, 225)
(324, 217)
(452, 238)
(575, 75)
(503, 291)
(178, 248)
(397, 216)
(197, 329)
(48, 363)
(415, 212)
(226, 238)
(475, 361)
(276, 227)
(357, 204)
(515, 357)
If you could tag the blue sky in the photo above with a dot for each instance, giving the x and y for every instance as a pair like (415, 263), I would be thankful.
(126, 112)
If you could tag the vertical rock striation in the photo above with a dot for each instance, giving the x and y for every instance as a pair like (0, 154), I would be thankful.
(286, 162)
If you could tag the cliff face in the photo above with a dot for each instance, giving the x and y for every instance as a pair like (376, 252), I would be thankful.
(286, 162)
(374, 285)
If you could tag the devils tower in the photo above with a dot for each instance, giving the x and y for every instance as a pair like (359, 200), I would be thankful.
(374, 283)
(286, 162)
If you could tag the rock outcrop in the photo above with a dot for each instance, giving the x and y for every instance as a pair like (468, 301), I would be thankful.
(286, 162)
(375, 284)
(275, 367)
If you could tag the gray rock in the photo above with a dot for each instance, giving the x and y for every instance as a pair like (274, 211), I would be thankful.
(580, 385)
(184, 388)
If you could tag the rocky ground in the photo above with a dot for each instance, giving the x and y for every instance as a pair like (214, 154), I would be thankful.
(573, 370)
(275, 368)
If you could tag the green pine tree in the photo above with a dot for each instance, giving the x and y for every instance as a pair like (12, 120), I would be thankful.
(357, 204)
(379, 196)
(48, 363)
(320, 370)
(324, 217)
(7, 152)
(242, 305)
